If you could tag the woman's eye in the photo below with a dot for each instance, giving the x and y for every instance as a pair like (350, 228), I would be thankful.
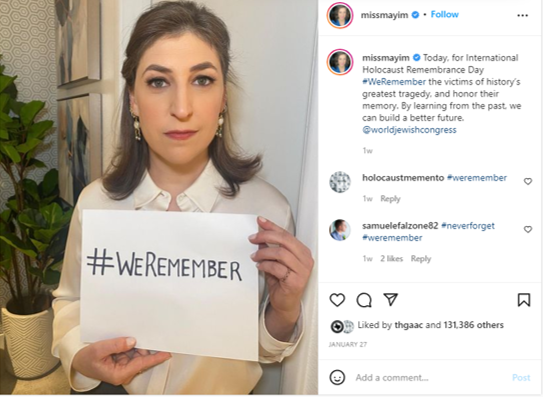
(156, 83)
(203, 80)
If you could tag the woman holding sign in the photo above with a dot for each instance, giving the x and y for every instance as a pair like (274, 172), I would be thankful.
(176, 154)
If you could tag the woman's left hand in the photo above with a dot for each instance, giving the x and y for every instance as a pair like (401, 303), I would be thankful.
(287, 265)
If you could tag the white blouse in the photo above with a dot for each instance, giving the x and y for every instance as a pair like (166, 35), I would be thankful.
(181, 374)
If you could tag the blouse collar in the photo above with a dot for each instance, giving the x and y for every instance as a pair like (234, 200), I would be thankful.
(199, 197)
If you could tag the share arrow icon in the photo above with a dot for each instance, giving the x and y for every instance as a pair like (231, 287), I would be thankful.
(391, 298)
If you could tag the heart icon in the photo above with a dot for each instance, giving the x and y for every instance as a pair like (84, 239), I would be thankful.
(337, 299)
(527, 229)
(527, 180)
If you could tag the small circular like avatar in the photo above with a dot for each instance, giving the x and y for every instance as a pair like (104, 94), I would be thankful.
(337, 327)
(349, 326)
(340, 182)
(337, 377)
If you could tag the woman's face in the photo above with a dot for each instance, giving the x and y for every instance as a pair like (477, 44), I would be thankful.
(179, 87)
(342, 13)
(342, 60)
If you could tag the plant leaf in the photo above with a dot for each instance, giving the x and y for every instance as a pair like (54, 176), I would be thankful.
(5, 252)
(16, 243)
(51, 277)
(56, 265)
(36, 272)
(30, 144)
(66, 218)
(4, 134)
(14, 125)
(30, 110)
(11, 152)
(4, 117)
(47, 200)
(5, 249)
(16, 106)
(5, 215)
(12, 205)
(57, 245)
(37, 163)
(32, 219)
(45, 235)
(52, 214)
(41, 247)
(38, 129)
(6, 263)
(5, 81)
(4, 99)
(31, 188)
(50, 182)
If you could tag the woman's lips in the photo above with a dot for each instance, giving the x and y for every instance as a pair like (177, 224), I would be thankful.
(180, 135)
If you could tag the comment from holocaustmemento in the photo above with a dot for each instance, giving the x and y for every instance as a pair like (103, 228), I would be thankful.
(177, 282)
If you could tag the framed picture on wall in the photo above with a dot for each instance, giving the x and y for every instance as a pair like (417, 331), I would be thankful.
(77, 41)
(79, 144)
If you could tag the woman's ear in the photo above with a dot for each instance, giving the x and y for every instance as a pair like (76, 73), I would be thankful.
(224, 100)
(133, 104)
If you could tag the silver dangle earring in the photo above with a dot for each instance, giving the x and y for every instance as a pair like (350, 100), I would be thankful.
(137, 129)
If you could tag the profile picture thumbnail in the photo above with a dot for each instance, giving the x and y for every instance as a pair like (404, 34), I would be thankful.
(340, 182)
(340, 230)
(340, 62)
(340, 15)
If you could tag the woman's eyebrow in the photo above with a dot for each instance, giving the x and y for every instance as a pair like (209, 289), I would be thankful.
(158, 68)
(202, 66)
(164, 69)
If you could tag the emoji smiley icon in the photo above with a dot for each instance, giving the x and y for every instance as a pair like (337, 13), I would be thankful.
(337, 377)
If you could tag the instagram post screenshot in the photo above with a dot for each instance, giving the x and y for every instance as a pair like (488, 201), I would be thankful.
(429, 227)
(275, 197)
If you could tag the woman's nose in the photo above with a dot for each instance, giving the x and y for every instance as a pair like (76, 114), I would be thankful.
(182, 104)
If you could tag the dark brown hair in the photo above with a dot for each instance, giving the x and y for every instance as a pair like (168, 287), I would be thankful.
(131, 159)
(338, 223)
(335, 13)
(334, 60)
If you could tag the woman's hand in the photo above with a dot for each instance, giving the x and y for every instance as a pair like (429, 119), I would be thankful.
(288, 266)
(115, 361)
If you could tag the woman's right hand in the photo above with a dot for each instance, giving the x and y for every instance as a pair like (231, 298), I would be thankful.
(115, 361)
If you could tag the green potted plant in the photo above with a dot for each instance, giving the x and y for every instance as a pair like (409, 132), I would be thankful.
(33, 230)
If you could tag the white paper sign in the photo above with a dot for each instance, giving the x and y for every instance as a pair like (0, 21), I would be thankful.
(177, 282)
